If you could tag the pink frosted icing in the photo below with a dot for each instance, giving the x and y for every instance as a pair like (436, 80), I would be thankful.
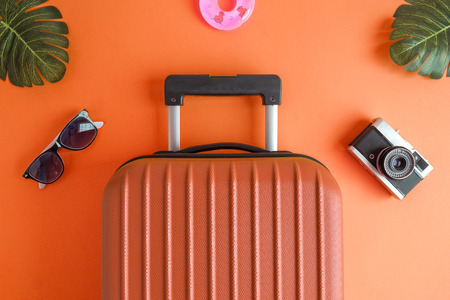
(226, 20)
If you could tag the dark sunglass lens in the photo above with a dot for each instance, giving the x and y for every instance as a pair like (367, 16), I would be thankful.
(78, 134)
(47, 167)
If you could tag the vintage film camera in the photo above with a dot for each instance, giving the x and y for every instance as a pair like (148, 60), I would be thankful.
(389, 158)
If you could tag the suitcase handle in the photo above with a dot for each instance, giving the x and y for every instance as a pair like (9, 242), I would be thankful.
(177, 86)
(268, 86)
(222, 146)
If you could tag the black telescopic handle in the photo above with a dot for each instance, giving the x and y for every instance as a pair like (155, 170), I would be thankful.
(177, 86)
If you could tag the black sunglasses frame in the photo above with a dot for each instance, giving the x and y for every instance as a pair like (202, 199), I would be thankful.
(57, 144)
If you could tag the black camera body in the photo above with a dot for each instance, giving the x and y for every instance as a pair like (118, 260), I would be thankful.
(389, 158)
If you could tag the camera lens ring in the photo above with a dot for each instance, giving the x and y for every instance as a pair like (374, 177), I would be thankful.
(396, 162)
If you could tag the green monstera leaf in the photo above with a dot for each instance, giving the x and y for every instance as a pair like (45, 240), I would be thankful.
(422, 31)
(31, 42)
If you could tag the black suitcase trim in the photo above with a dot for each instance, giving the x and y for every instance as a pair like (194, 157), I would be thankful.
(192, 152)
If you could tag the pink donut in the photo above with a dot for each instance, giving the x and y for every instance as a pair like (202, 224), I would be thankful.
(226, 20)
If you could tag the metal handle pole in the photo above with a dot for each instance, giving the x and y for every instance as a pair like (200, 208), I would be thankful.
(271, 127)
(174, 128)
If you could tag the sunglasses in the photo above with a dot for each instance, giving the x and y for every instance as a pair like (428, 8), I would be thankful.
(78, 134)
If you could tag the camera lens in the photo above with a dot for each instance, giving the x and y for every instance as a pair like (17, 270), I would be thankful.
(396, 162)
(399, 164)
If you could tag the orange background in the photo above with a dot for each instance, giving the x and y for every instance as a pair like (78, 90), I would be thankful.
(333, 58)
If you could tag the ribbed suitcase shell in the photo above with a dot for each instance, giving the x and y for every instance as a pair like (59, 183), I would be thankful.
(222, 228)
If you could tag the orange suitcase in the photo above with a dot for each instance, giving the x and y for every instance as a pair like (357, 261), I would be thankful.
(183, 224)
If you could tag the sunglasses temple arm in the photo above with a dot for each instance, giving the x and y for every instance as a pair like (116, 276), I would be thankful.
(98, 124)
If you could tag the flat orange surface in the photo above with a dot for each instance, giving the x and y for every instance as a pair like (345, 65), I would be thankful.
(333, 58)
